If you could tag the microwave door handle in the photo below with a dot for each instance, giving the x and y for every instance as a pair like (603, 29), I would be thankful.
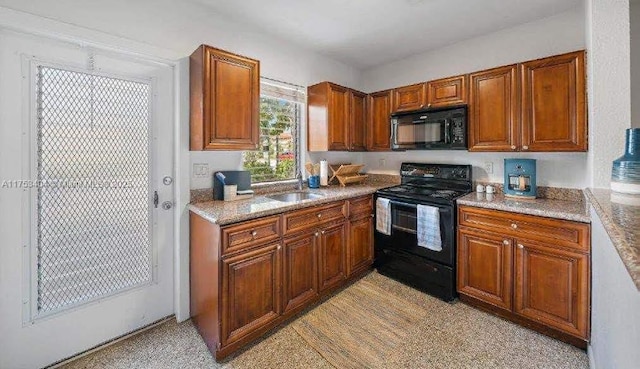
(447, 131)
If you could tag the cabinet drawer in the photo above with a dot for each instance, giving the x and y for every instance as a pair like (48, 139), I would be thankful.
(309, 218)
(248, 234)
(360, 206)
(558, 232)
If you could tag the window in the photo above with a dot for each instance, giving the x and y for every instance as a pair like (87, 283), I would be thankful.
(277, 157)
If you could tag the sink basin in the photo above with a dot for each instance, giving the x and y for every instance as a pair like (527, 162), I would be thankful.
(295, 196)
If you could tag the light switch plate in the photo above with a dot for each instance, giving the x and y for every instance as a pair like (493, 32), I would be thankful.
(488, 167)
(200, 170)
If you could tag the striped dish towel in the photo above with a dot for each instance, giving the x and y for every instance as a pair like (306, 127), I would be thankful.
(429, 227)
(383, 216)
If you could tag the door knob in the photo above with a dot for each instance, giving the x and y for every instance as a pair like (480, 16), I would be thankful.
(167, 205)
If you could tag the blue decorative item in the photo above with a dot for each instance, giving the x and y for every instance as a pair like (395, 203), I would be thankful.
(520, 178)
(625, 174)
(314, 181)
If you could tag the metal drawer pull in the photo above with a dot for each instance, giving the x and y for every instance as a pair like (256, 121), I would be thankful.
(317, 233)
(514, 226)
(319, 215)
(513, 147)
(520, 246)
(322, 232)
(506, 242)
(254, 234)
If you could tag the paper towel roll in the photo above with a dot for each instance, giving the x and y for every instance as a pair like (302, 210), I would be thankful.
(324, 173)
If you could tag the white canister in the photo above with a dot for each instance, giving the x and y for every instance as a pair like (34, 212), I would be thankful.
(324, 173)
(230, 192)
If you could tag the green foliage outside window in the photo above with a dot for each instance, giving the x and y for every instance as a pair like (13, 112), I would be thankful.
(276, 157)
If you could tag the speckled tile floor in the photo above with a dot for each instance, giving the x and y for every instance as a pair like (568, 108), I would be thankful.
(451, 336)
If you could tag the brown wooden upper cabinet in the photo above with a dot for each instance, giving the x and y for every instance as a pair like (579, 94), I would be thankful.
(357, 123)
(333, 111)
(493, 110)
(225, 100)
(553, 104)
(542, 110)
(411, 97)
(447, 91)
(378, 121)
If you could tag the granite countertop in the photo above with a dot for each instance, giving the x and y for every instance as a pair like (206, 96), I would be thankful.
(622, 223)
(226, 212)
(550, 208)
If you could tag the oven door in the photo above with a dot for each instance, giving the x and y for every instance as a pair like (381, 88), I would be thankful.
(421, 131)
(404, 232)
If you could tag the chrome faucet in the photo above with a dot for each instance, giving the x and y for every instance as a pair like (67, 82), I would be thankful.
(299, 178)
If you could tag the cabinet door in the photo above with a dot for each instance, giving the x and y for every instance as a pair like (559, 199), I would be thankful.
(447, 91)
(493, 110)
(553, 104)
(357, 121)
(339, 115)
(378, 121)
(300, 282)
(552, 287)
(485, 267)
(360, 244)
(409, 97)
(230, 102)
(332, 255)
(250, 292)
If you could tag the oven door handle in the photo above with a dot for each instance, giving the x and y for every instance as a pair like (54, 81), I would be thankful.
(415, 206)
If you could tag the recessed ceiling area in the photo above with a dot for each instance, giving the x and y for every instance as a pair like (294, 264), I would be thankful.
(366, 33)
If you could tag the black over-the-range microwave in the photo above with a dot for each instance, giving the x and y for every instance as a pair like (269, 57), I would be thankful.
(433, 129)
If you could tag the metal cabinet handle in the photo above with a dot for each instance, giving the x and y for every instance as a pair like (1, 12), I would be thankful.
(513, 147)
(279, 247)
(323, 232)
(514, 226)
(506, 242)
(254, 234)
(317, 233)
(525, 147)
(319, 215)
(520, 246)
(373, 215)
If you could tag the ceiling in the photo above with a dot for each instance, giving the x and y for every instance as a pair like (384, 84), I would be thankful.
(366, 33)
(359, 33)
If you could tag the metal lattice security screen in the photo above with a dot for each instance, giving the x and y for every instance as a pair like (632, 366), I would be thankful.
(94, 225)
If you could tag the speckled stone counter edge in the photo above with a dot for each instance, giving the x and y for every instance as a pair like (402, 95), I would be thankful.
(629, 254)
(547, 212)
(354, 191)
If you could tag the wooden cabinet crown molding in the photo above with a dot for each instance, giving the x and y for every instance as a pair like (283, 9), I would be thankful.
(224, 100)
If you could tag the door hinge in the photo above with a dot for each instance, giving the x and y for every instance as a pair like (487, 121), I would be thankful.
(155, 199)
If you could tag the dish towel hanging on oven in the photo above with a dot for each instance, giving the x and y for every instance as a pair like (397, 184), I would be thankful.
(429, 227)
(383, 216)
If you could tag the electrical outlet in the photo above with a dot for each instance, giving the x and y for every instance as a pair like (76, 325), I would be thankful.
(382, 163)
(200, 170)
(488, 167)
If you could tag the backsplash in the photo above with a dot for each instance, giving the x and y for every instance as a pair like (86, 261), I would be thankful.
(552, 193)
(206, 194)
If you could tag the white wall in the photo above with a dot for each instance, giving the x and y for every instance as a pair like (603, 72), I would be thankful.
(615, 306)
(634, 20)
(608, 85)
(554, 35)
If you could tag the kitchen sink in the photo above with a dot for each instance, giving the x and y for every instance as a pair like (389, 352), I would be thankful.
(295, 196)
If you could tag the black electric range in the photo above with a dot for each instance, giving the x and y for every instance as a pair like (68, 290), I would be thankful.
(398, 254)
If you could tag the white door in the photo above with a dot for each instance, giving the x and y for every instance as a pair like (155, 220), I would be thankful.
(86, 141)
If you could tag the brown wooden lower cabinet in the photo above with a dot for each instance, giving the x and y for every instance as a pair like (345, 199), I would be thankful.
(527, 276)
(242, 287)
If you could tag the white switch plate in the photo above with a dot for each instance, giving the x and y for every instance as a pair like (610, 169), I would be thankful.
(488, 167)
(200, 170)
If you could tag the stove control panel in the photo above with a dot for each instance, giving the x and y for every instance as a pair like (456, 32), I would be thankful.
(436, 171)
